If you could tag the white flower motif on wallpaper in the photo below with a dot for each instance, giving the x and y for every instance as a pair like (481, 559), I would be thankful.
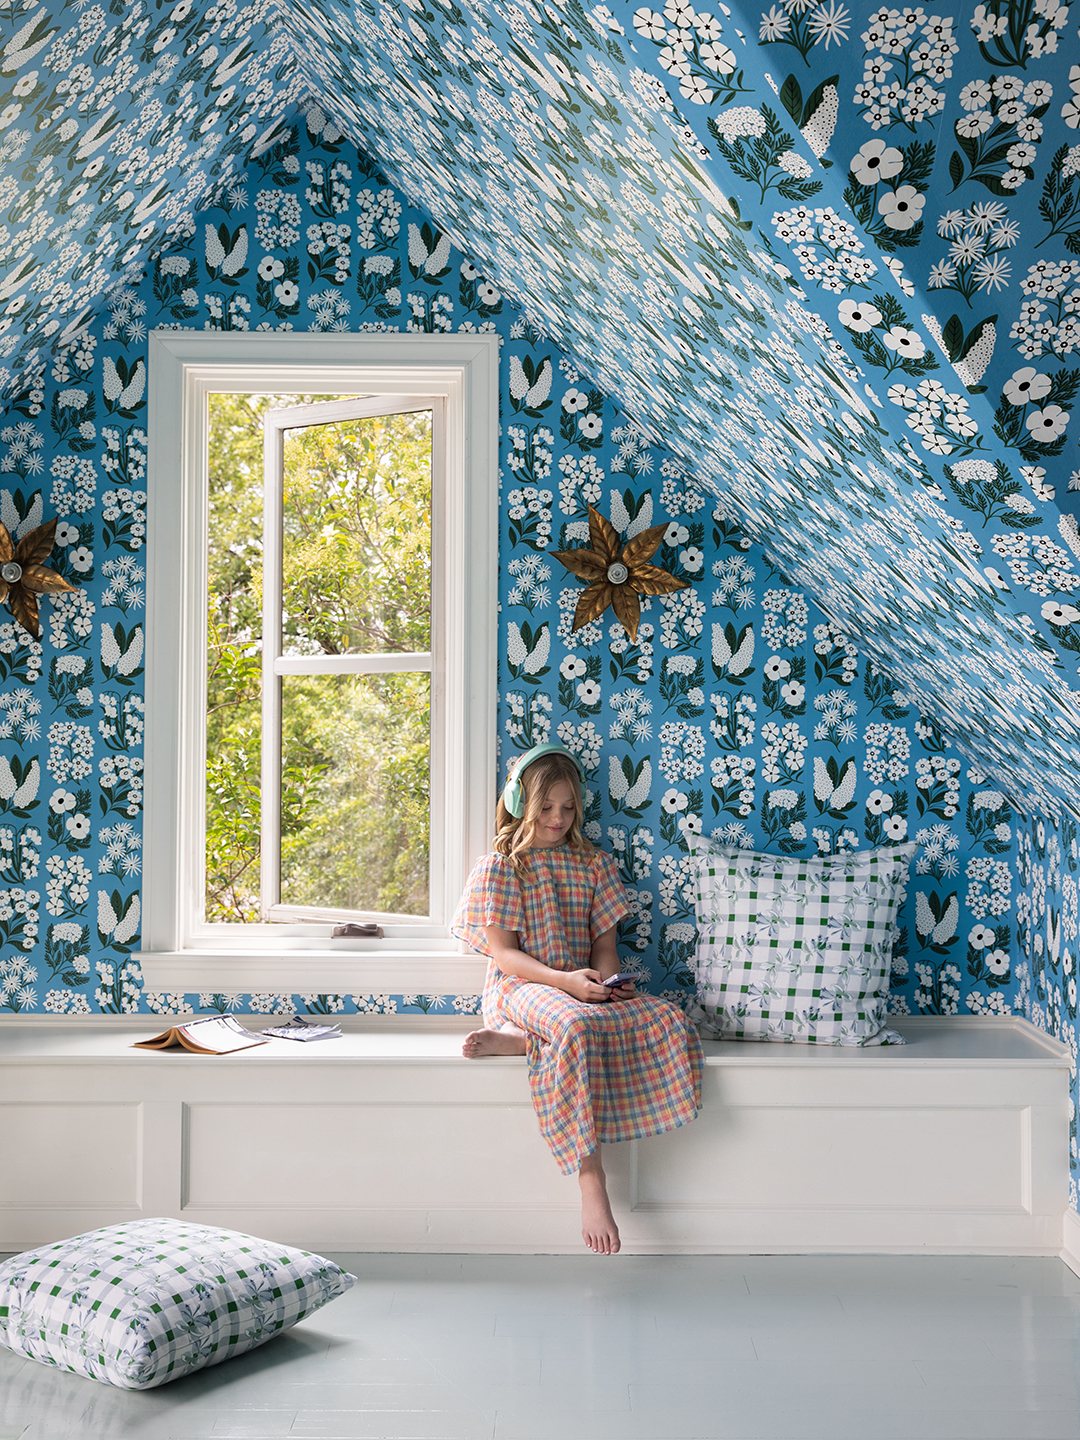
(804, 26)
(1049, 320)
(1012, 33)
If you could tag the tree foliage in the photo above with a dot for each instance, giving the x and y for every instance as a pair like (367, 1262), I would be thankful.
(356, 579)
(356, 541)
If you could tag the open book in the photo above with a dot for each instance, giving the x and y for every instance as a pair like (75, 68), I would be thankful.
(209, 1035)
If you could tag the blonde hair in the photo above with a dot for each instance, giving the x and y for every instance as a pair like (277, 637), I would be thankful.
(514, 834)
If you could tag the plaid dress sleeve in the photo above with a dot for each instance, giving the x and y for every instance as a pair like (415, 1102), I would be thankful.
(492, 897)
(609, 904)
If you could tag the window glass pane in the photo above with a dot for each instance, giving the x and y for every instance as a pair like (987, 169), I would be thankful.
(356, 545)
(234, 657)
(356, 791)
(234, 651)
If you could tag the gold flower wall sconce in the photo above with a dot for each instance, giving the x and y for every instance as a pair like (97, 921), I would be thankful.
(617, 574)
(24, 575)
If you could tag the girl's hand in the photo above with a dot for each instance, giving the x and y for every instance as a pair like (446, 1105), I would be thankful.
(625, 991)
(585, 985)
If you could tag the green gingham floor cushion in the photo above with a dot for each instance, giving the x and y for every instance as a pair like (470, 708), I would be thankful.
(141, 1303)
(796, 949)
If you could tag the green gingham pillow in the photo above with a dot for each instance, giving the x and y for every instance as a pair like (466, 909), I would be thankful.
(141, 1303)
(792, 949)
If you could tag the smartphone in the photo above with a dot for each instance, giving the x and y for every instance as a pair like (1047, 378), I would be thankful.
(623, 978)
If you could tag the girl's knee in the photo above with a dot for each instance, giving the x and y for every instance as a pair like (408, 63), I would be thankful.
(571, 1025)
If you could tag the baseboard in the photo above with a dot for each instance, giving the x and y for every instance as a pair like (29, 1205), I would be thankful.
(1070, 1235)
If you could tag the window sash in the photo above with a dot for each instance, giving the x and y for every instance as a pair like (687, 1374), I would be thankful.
(274, 665)
(400, 661)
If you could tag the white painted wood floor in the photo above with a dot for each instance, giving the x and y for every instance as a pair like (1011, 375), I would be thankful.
(434, 1347)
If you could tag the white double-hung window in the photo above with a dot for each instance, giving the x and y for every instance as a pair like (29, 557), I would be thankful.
(320, 657)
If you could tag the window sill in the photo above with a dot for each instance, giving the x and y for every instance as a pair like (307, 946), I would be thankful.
(420, 970)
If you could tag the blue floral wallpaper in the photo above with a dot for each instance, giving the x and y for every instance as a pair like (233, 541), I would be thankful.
(802, 284)
(741, 708)
(116, 120)
(1047, 863)
(637, 179)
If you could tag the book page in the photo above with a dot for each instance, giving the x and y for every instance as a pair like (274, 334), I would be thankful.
(220, 1034)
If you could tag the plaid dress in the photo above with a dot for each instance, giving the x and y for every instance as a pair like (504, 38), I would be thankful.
(598, 1073)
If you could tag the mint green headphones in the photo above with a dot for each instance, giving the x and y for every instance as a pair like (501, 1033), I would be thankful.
(513, 796)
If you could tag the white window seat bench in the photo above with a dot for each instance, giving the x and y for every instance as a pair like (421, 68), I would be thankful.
(389, 1140)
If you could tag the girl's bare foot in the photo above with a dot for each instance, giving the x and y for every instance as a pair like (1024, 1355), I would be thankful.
(493, 1042)
(598, 1228)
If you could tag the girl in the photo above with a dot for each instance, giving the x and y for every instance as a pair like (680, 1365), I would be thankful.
(605, 1063)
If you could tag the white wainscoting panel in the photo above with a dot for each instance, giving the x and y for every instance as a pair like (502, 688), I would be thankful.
(94, 1140)
(772, 1155)
(373, 1155)
(389, 1140)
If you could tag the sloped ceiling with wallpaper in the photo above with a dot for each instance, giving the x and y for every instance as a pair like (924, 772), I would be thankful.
(828, 251)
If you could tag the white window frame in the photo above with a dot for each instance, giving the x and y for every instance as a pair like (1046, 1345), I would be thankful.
(180, 954)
